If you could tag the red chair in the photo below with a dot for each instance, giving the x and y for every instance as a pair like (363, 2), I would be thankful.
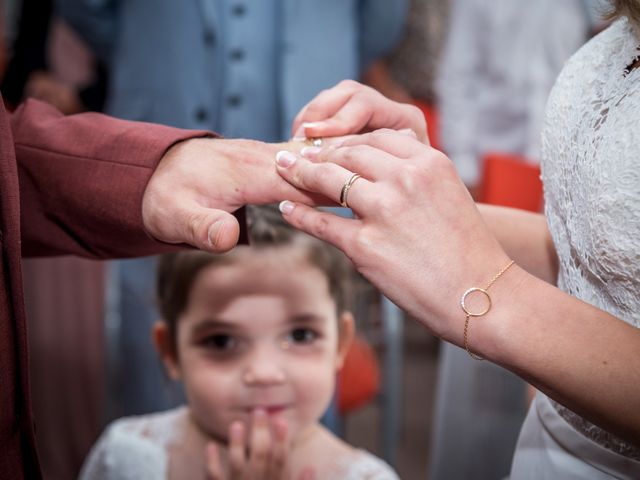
(433, 122)
(509, 180)
(359, 379)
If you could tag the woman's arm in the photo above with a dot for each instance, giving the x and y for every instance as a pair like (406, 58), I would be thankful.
(525, 237)
(419, 237)
(577, 354)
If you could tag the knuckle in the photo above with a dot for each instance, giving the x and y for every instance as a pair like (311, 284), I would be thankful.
(319, 226)
(322, 175)
(348, 84)
(362, 243)
(195, 227)
(410, 176)
(313, 109)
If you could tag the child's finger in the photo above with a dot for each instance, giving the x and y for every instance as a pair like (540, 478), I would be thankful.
(308, 473)
(279, 451)
(260, 445)
(213, 463)
(237, 456)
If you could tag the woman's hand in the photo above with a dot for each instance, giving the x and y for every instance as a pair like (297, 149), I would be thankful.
(351, 107)
(262, 456)
(418, 235)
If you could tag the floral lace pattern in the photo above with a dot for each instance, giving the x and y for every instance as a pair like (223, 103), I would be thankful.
(591, 172)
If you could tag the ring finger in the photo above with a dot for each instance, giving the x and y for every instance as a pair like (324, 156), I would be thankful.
(327, 179)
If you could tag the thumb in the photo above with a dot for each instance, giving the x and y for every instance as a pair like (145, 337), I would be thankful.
(211, 230)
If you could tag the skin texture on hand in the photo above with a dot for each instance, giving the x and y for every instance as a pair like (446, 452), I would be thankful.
(351, 107)
(416, 221)
(200, 182)
(419, 237)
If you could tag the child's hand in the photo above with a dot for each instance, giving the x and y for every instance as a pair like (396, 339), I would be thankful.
(261, 457)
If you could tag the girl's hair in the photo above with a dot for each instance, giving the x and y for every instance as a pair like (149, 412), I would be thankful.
(266, 229)
(625, 8)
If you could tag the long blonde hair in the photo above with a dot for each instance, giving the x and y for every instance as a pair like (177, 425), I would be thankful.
(626, 8)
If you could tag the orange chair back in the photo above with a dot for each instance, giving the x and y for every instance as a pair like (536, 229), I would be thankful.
(509, 180)
(359, 379)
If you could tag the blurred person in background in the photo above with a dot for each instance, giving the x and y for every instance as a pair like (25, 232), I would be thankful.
(29, 73)
(408, 73)
(240, 68)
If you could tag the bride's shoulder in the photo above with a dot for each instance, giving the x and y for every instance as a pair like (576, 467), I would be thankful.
(600, 56)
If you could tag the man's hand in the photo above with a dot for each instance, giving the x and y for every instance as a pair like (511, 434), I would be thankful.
(199, 183)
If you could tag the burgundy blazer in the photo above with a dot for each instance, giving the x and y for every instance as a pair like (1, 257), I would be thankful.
(68, 185)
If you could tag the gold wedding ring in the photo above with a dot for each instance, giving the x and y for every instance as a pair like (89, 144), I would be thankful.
(346, 187)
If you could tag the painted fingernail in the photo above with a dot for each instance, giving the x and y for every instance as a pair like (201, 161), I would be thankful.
(310, 124)
(310, 151)
(285, 159)
(298, 139)
(286, 207)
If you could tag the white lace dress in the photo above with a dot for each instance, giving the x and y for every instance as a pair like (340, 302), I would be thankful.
(591, 173)
(136, 448)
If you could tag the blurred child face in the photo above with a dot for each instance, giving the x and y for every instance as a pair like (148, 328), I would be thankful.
(259, 333)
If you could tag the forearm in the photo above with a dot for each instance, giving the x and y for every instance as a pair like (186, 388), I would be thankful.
(526, 239)
(579, 355)
(82, 178)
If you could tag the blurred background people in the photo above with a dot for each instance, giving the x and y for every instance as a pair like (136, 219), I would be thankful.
(34, 69)
(501, 59)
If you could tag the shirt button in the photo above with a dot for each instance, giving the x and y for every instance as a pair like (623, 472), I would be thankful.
(236, 54)
(201, 115)
(234, 100)
(209, 38)
(239, 10)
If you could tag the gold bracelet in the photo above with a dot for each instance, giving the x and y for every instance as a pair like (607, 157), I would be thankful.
(470, 314)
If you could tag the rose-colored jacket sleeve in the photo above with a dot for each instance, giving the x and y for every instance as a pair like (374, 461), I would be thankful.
(82, 178)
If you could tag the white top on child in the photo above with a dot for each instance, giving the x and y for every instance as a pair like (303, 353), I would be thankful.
(136, 448)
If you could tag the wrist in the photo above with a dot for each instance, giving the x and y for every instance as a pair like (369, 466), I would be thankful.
(498, 336)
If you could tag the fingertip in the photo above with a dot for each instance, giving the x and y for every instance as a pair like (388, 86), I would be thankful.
(223, 234)
(236, 431)
(285, 158)
(298, 132)
(259, 417)
(281, 429)
(286, 207)
(314, 129)
(212, 450)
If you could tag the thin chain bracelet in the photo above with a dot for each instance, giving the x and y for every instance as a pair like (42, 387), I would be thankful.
(470, 314)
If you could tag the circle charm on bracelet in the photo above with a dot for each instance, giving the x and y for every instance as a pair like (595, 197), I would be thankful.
(464, 306)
